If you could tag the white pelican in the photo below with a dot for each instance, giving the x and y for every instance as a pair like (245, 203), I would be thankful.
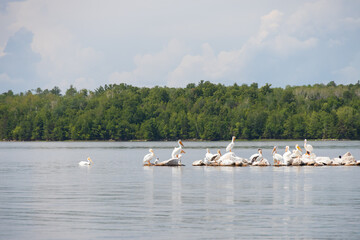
(227, 156)
(308, 148)
(296, 152)
(87, 162)
(227, 159)
(278, 159)
(256, 157)
(231, 145)
(208, 155)
(286, 156)
(177, 150)
(148, 157)
(179, 157)
(215, 157)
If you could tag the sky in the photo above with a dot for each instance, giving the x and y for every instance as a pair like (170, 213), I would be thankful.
(146, 43)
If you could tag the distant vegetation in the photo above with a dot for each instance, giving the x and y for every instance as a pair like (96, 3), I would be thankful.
(203, 111)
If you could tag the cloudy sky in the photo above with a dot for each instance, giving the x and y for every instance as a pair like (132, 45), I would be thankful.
(88, 43)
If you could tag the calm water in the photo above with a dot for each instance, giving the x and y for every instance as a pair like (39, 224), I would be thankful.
(44, 194)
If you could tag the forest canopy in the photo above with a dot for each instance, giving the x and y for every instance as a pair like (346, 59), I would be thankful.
(204, 111)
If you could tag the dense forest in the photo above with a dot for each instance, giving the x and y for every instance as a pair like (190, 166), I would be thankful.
(204, 111)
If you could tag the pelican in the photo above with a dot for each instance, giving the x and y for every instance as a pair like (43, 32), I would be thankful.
(215, 157)
(308, 148)
(256, 157)
(296, 152)
(231, 145)
(287, 157)
(179, 157)
(276, 157)
(227, 159)
(227, 156)
(148, 157)
(86, 163)
(208, 155)
(177, 150)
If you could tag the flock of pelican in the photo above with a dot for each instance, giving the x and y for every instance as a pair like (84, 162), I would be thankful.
(175, 159)
(289, 158)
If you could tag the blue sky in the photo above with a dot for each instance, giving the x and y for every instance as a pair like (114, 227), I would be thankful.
(173, 43)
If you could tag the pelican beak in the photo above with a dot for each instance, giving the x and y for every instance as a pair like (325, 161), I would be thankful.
(90, 160)
(274, 149)
(182, 151)
(181, 143)
(299, 148)
(219, 152)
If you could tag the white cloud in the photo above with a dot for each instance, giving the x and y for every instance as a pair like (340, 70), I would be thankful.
(351, 72)
(123, 41)
(4, 78)
(151, 69)
(232, 65)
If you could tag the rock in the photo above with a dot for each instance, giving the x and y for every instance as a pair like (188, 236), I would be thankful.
(358, 163)
(350, 164)
(318, 164)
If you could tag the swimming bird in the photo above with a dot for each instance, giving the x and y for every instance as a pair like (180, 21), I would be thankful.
(231, 145)
(177, 150)
(87, 162)
(148, 157)
(308, 147)
(277, 157)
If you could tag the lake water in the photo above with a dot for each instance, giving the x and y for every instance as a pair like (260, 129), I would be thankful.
(44, 194)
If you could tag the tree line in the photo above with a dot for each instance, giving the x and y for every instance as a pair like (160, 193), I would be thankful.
(204, 111)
